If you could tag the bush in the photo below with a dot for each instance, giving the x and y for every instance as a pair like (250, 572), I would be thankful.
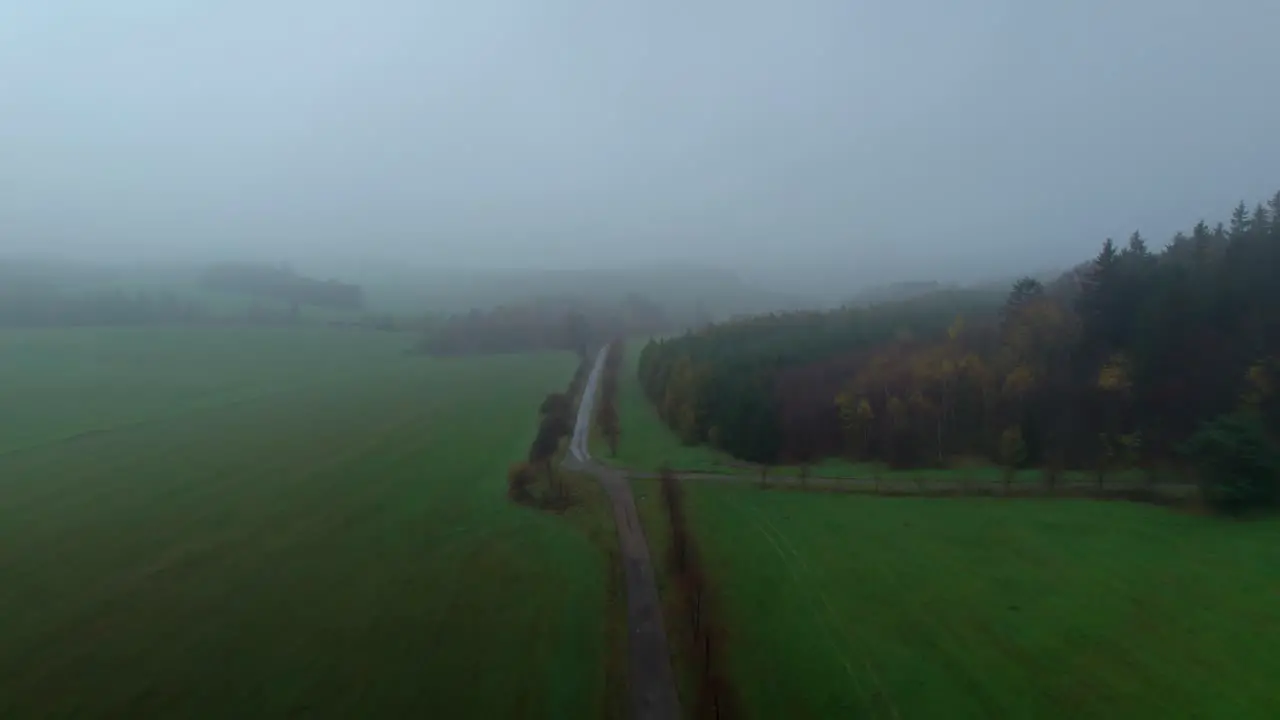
(520, 477)
(557, 404)
(1238, 463)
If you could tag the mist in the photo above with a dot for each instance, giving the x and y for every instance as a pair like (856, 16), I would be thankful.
(820, 144)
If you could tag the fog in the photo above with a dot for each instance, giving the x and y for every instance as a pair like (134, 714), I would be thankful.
(801, 143)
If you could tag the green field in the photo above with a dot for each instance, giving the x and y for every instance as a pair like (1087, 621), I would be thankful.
(849, 606)
(241, 523)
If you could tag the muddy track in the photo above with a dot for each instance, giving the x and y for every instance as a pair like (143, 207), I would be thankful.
(651, 681)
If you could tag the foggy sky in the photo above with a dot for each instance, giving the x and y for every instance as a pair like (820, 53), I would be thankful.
(856, 140)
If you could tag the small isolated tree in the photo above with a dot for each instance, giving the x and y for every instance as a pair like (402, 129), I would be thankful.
(1013, 452)
(1238, 463)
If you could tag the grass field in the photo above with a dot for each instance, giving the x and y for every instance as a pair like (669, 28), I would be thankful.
(235, 523)
(58, 383)
(848, 606)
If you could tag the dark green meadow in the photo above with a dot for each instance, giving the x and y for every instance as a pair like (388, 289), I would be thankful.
(853, 606)
(252, 523)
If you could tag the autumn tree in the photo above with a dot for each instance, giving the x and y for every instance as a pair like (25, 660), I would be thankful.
(857, 418)
(1013, 452)
(1114, 380)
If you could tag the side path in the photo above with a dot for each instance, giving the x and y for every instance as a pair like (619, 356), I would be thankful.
(1115, 489)
(652, 683)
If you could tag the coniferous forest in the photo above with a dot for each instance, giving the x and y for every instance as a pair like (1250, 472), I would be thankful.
(1139, 358)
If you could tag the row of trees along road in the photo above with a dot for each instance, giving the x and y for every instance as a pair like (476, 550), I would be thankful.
(607, 410)
(1132, 359)
(555, 424)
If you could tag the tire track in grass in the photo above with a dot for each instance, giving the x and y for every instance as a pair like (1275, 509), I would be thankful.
(827, 615)
(834, 616)
(259, 537)
(790, 566)
(955, 661)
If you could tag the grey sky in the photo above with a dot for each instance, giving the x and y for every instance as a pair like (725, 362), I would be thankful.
(850, 140)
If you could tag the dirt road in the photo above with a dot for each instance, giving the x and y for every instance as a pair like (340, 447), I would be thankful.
(652, 683)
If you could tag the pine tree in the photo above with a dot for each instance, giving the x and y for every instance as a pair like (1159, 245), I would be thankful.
(1274, 205)
(1097, 302)
(1107, 257)
(1025, 290)
(1239, 222)
(1138, 245)
(1260, 222)
(1202, 238)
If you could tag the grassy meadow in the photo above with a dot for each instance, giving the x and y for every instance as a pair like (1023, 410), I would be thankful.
(256, 523)
(851, 606)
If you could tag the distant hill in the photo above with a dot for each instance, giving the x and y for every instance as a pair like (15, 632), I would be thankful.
(282, 284)
(685, 293)
(895, 292)
(68, 286)
(899, 291)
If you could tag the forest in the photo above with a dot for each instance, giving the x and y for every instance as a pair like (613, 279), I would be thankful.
(1135, 359)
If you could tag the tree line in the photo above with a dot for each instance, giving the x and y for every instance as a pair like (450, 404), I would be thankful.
(21, 307)
(121, 308)
(281, 283)
(543, 323)
(715, 696)
(607, 404)
(36, 295)
(1135, 359)
(555, 423)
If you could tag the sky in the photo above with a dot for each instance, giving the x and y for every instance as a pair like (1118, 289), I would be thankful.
(811, 142)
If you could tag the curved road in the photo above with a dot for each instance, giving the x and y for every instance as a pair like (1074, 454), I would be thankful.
(651, 681)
